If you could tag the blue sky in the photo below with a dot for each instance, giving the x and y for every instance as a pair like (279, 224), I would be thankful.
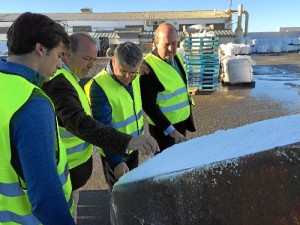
(265, 15)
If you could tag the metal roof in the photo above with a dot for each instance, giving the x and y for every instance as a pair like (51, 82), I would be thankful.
(150, 34)
(224, 33)
(108, 34)
(127, 16)
(143, 34)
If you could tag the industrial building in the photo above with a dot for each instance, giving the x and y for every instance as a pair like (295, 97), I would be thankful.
(112, 28)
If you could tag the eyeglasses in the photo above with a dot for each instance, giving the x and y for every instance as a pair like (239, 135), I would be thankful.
(131, 74)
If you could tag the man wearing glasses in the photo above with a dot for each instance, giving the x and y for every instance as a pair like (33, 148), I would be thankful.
(115, 100)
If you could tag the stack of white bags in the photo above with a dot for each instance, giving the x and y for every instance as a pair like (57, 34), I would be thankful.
(236, 64)
(271, 44)
(232, 49)
(237, 69)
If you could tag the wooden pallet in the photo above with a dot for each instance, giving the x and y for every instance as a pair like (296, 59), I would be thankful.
(197, 91)
(243, 84)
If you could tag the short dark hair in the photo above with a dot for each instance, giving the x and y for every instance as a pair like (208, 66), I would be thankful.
(128, 54)
(31, 28)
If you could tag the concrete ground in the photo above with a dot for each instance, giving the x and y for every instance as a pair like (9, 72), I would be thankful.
(228, 107)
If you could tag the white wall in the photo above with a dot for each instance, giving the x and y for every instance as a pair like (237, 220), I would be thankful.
(110, 25)
(258, 35)
(263, 42)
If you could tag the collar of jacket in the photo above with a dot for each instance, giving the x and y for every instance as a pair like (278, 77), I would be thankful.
(154, 52)
(29, 74)
(69, 70)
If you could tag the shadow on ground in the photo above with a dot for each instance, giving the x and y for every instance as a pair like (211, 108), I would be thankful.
(93, 207)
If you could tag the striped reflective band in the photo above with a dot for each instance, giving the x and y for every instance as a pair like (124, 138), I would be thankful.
(77, 148)
(169, 96)
(6, 216)
(64, 176)
(138, 132)
(65, 134)
(127, 121)
(174, 107)
(15, 190)
(11, 190)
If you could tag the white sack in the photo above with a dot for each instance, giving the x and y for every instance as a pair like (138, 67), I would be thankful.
(237, 69)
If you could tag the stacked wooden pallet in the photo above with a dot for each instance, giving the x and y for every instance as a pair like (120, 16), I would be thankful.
(202, 62)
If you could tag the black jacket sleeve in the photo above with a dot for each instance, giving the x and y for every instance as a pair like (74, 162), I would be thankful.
(71, 115)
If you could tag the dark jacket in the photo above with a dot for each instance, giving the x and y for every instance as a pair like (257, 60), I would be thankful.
(150, 86)
(71, 115)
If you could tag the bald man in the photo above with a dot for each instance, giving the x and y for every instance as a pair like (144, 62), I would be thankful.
(164, 90)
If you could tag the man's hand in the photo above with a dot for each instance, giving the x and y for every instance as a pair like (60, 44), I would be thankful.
(120, 170)
(177, 136)
(145, 143)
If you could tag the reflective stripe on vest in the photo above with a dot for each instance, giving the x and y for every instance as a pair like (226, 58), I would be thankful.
(13, 218)
(15, 190)
(15, 207)
(174, 101)
(127, 114)
(78, 150)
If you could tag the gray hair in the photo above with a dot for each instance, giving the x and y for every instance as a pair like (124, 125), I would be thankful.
(128, 54)
(75, 39)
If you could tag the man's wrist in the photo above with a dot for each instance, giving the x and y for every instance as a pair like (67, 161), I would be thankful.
(169, 130)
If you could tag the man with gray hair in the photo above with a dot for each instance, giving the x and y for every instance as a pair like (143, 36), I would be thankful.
(78, 129)
(115, 100)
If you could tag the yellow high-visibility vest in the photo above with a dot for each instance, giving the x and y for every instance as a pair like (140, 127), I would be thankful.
(127, 113)
(174, 101)
(15, 207)
(78, 150)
